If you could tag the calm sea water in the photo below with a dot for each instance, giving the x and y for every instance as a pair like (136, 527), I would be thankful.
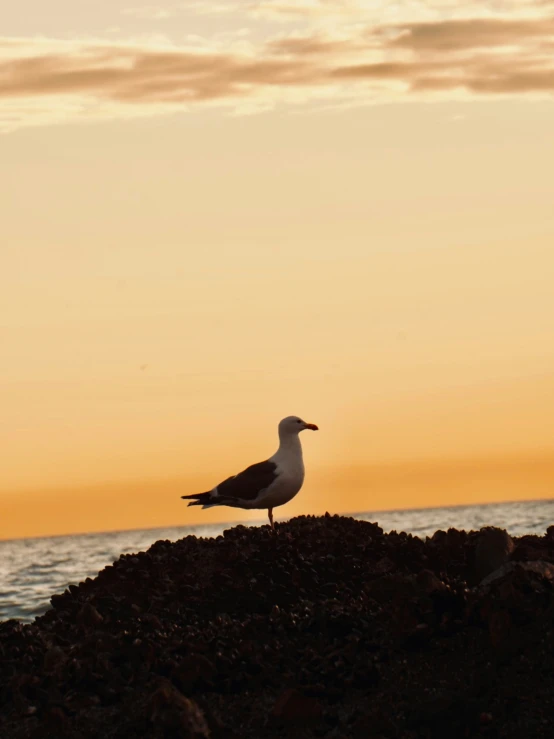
(31, 570)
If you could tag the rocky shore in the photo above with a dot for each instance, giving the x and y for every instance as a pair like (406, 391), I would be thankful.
(325, 628)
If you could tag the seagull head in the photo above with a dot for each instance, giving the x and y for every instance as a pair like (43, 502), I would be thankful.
(294, 425)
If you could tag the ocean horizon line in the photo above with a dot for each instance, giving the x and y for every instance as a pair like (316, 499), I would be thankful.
(263, 521)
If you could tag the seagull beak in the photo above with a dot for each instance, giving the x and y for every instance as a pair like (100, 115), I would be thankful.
(312, 426)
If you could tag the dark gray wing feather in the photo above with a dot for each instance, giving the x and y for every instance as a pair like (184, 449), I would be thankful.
(250, 482)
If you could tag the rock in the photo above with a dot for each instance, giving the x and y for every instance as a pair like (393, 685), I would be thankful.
(88, 616)
(54, 659)
(292, 707)
(429, 582)
(329, 628)
(493, 549)
(544, 569)
(383, 566)
(169, 711)
(195, 671)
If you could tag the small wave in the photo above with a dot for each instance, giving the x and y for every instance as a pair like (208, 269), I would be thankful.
(52, 563)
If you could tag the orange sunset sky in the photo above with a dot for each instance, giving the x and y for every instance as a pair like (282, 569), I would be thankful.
(216, 214)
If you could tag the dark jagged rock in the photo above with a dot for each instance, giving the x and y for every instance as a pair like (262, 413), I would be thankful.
(493, 549)
(327, 628)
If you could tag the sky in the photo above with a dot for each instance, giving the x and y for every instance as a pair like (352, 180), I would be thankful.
(216, 214)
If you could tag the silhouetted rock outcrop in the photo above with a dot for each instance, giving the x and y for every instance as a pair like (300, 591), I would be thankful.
(328, 628)
(493, 549)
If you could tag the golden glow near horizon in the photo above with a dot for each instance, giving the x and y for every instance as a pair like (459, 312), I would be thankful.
(370, 248)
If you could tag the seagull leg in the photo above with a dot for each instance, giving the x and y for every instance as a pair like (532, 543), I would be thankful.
(270, 514)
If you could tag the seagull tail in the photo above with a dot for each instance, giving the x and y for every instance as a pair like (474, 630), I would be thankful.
(204, 499)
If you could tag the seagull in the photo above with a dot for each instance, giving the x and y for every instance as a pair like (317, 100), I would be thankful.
(265, 484)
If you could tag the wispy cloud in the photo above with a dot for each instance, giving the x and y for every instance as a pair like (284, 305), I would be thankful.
(207, 7)
(387, 10)
(450, 36)
(44, 80)
(295, 9)
(148, 12)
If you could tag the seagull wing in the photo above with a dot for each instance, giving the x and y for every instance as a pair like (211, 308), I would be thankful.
(249, 483)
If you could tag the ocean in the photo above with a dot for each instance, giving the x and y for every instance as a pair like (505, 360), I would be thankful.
(32, 570)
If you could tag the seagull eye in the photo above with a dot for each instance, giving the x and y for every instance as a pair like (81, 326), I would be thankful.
(299, 421)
